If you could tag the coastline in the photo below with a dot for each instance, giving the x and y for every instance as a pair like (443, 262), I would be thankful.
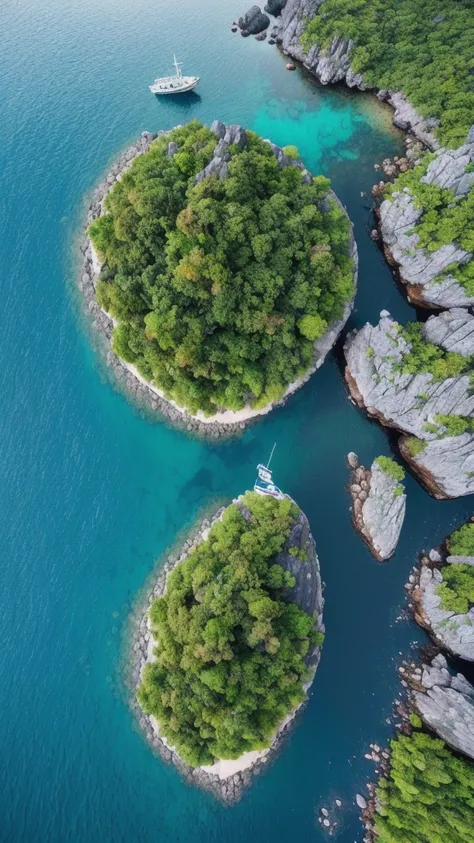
(225, 779)
(227, 422)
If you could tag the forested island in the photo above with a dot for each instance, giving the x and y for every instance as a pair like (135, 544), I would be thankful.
(235, 638)
(228, 269)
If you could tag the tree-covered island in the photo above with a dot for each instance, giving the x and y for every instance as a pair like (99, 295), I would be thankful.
(238, 631)
(223, 263)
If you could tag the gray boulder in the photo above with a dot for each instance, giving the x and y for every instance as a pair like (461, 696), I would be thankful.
(447, 706)
(254, 21)
(411, 403)
(274, 7)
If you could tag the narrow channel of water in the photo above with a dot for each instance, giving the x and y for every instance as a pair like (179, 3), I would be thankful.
(92, 493)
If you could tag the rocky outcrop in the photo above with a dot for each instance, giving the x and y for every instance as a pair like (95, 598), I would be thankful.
(253, 22)
(446, 704)
(411, 403)
(378, 508)
(274, 7)
(428, 275)
(307, 593)
(453, 631)
(145, 393)
(334, 65)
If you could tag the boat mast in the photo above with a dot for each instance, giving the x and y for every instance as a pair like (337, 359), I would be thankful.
(177, 66)
(271, 455)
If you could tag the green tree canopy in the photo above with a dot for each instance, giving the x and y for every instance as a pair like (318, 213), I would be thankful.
(231, 646)
(220, 287)
(429, 795)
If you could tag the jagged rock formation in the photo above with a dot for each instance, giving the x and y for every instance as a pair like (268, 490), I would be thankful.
(253, 22)
(453, 631)
(140, 389)
(446, 705)
(274, 7)
(427, 275)
(307, 593)
(378, 509)
(412, 403)
(334, 65)
(453, 330)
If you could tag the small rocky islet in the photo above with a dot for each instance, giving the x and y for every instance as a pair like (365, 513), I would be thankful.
(243, 597)
(378, 503)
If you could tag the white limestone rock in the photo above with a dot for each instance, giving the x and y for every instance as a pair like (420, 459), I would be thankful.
(447, 706)
(425, 272)
(453, 330)
(380, 518)
(454, 631)
(410, 403)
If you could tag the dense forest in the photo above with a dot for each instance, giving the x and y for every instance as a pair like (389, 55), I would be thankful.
(231, 653)
(220, 287)
(428, 796)
(424, 49)
(420, 47)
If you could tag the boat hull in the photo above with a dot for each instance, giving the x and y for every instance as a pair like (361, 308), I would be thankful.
(181, 89)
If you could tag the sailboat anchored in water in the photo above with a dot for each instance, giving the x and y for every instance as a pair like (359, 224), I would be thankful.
(264, 484)
(177, 84)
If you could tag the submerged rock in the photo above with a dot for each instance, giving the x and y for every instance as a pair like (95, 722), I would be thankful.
(414, 403)
(447, 705)
(379, 519)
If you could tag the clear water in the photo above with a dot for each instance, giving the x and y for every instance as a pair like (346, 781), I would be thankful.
(92, 493)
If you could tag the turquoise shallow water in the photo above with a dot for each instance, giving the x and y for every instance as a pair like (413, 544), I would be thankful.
(92, 493)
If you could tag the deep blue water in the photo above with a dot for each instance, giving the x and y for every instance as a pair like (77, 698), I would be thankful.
(92, 493)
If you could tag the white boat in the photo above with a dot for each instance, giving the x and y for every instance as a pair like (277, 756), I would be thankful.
(264, 484)
(177, 84)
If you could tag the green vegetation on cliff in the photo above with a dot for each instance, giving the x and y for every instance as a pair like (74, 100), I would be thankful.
(445, 219)
(424, 49)
(391, 467)
(457, 589)
(425, 356)
(461, 542)
(420, 47)
(220, 288)
(231, 646)
(428, 796)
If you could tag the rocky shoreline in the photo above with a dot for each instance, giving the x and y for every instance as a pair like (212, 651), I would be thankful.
(414, 404)
(454, 632)
(126, 375)
(427, 276)
(141, 645)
